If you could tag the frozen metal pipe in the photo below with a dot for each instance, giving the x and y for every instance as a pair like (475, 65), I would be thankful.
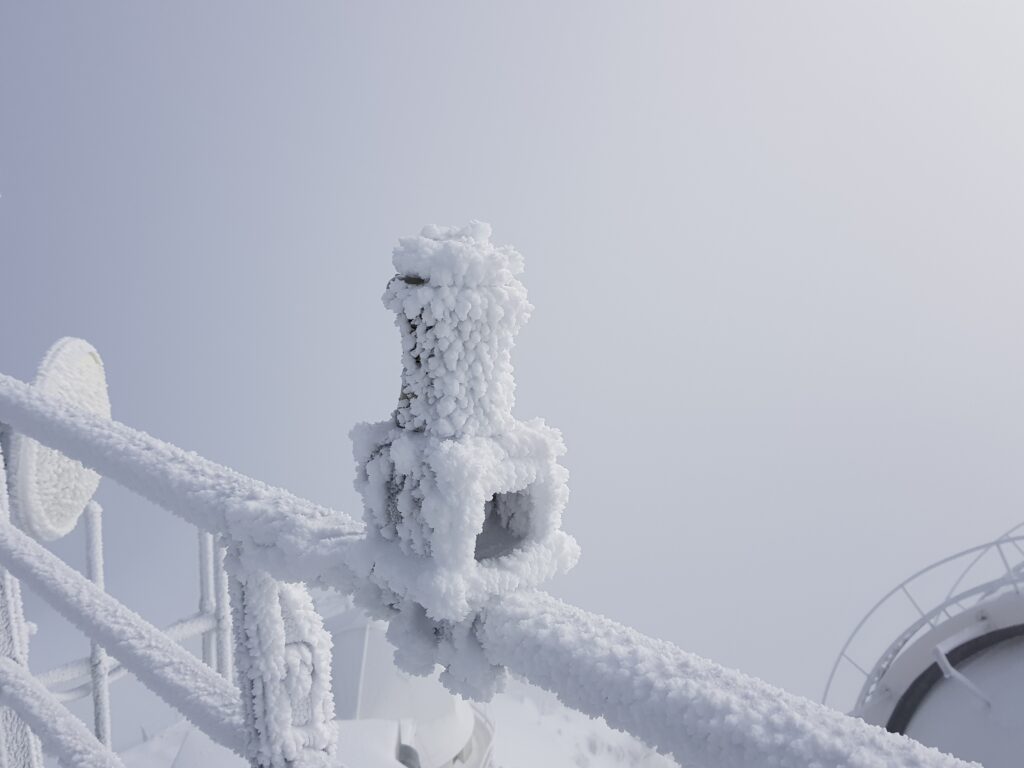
(206, 594)
(163, 666)
(64, 735)
(222, 599)
(99, 664)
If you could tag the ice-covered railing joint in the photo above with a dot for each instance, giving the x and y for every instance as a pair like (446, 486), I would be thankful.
(462, 501)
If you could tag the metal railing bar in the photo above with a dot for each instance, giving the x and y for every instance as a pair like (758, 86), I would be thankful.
(78, 670)
(291, 538)
(62, 734)
(206, 596)
(856, 665)
(676, 702)
(166, 668)
(978, 550)
(99, 664)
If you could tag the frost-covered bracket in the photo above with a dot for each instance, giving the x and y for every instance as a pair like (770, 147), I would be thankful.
(463, 502)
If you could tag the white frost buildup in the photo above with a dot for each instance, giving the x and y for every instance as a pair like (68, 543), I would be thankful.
(461, 500)
(283, 655)
(459, 307)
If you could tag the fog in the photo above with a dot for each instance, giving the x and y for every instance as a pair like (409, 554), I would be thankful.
(774, 250)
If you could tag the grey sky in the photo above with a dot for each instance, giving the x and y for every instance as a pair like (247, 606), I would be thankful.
(775, 251)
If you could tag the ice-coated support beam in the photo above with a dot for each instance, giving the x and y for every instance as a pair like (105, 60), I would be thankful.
(18, 745)
(703, 714)
(65, 735)
(167, 669)
(294, 539)
(207, 599)
(283, 663)
(99, 664)
(222, 605)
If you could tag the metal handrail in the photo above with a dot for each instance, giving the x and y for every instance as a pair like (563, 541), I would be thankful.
(1014, 576)
(675, 701)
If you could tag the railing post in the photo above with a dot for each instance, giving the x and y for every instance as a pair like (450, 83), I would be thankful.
(20, 747)
(98, 661)
(283, 666)
(222, 606)
(207, 600)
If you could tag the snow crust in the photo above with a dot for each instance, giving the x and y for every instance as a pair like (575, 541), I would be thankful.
(64, 735)
(677, 702)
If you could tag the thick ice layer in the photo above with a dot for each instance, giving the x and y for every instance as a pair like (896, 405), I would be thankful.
(459, 307)
(64, 735)
(703, 714)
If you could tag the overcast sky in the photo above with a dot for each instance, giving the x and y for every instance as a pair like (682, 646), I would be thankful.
(775, 251)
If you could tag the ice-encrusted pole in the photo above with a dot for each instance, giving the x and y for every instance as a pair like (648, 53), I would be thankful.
(18, 745)
(463, 502)
(283, 667)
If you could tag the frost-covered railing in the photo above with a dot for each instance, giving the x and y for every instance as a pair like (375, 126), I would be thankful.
(463, 507)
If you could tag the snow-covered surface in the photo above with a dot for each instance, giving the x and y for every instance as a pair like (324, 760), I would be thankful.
(181, 746)
(178, 677)
(64, 735)
(49, 490)
(532, 728)
(701, 713)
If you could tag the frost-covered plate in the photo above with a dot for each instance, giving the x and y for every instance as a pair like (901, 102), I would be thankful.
(48, 490)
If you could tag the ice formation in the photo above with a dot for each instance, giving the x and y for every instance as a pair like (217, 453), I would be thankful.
(462, 501)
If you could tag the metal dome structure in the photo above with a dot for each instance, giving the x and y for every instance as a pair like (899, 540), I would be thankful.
(953, 676)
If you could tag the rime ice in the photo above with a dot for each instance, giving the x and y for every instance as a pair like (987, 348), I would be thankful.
(461, 500)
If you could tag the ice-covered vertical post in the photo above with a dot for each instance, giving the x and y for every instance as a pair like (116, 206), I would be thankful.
(18, 745)
(463, 502)
(283, 667)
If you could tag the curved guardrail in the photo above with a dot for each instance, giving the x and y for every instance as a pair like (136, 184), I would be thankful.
(968, 586)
